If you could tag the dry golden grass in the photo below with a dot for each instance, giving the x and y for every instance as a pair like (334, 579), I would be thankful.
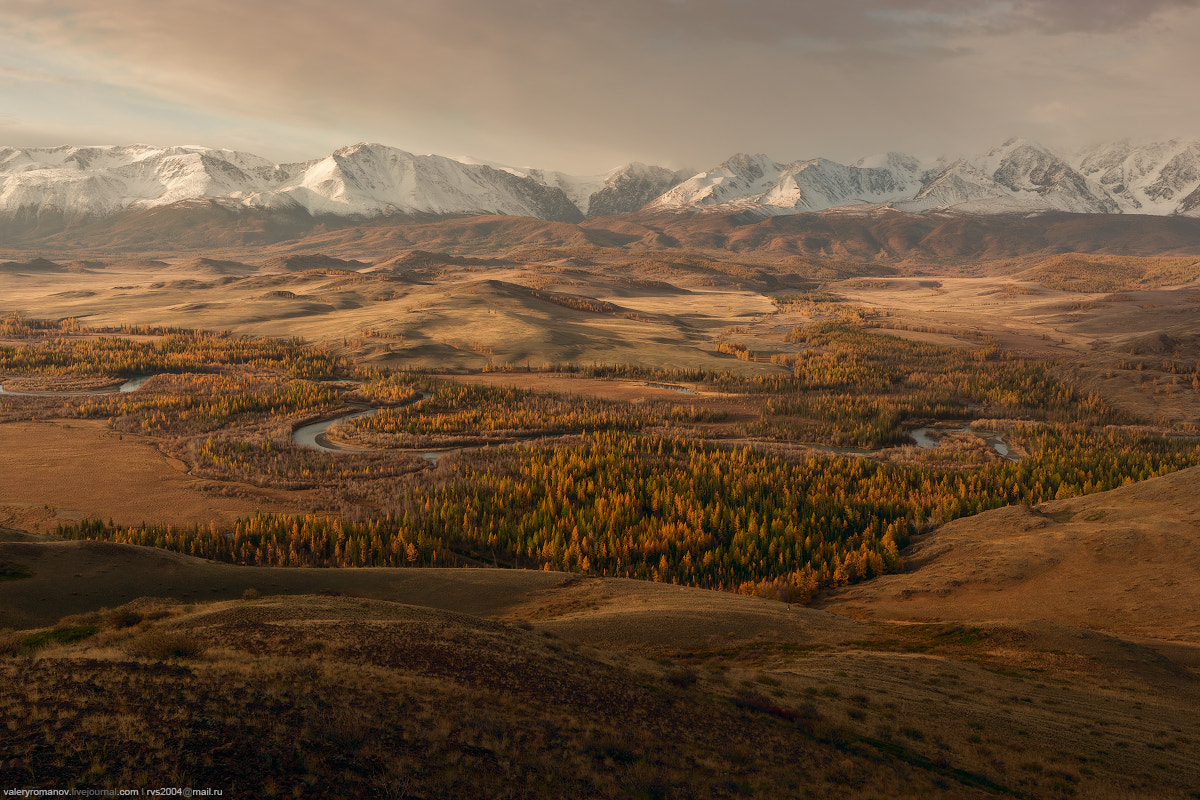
(66, 471)
(1124, 562)
(603, 388)
(333, 698)
(598, 688)
(1093, 334)
(1154, 375)
(617, 687)
(1044, 653)
(674, 310)
(995, 678)
(458, 316)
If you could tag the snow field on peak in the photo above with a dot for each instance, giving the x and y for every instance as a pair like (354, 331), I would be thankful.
(365, 179)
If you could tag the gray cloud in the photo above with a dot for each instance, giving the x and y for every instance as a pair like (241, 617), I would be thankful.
(1108, 16)
(945, 17)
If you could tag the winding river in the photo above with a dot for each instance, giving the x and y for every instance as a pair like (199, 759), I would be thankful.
(923, 439)
(672, 387)
(131, 385)
(313, 436)
(926, 438)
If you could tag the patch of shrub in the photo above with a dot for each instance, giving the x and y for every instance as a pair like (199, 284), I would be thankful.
(609, 748)
(163, 645)
(123, 618)
(68, 635)
(10, 643)
(682, 677)
(13, 572)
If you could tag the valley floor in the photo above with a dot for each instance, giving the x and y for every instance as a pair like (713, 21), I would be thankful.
(1044, 649)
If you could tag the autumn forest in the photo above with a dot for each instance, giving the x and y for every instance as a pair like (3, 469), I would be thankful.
(780, 485)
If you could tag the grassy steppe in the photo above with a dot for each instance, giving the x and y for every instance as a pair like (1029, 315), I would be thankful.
(1041, 650)
(506, 682)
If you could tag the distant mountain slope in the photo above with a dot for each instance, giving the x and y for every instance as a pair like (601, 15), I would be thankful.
(83, 184)
(757, 182)
(1016, 177)
(878, 236)
(630, 188)
(47, 191)
(1158, 178)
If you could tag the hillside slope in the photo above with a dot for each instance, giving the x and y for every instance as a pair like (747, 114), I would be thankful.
(877, 236)
(1125, 561)
(556, 684)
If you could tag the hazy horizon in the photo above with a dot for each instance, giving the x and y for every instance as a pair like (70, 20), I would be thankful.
(586, 87)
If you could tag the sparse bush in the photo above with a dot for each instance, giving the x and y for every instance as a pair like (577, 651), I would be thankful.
(754, 701)
(610, 748)
(682, 677)
(13, 572)
(65, 635)
(251, 594)
(10, 643)
(123, 618)
(164, 645)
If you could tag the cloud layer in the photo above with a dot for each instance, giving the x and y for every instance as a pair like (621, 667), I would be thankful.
(586, 85)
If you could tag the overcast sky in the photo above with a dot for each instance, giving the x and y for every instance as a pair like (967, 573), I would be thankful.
(586, 86)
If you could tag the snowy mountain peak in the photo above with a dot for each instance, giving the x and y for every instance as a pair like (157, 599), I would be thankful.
(899, 163)
(759, 183)
(1030, 168)
(72, 184)
(748, 167)
(1152, 178)
(629, 188)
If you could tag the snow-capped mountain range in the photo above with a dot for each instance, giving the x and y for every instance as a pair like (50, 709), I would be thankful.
(80, 184)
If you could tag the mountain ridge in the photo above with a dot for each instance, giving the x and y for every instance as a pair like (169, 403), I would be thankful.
(64, 187)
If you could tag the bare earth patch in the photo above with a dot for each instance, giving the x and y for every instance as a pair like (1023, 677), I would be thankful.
(67, 471)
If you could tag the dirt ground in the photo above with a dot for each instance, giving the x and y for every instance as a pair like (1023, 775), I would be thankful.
(67, 471)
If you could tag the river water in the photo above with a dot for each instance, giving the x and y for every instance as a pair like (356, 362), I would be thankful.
(131, 385)
(313, 435)
(923, 438)
(927, 438)
(671, 387)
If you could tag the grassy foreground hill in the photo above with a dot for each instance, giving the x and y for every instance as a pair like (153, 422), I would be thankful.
(494, 683)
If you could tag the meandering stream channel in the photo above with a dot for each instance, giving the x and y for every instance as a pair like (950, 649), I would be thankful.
(313, 435)
(131, 385)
